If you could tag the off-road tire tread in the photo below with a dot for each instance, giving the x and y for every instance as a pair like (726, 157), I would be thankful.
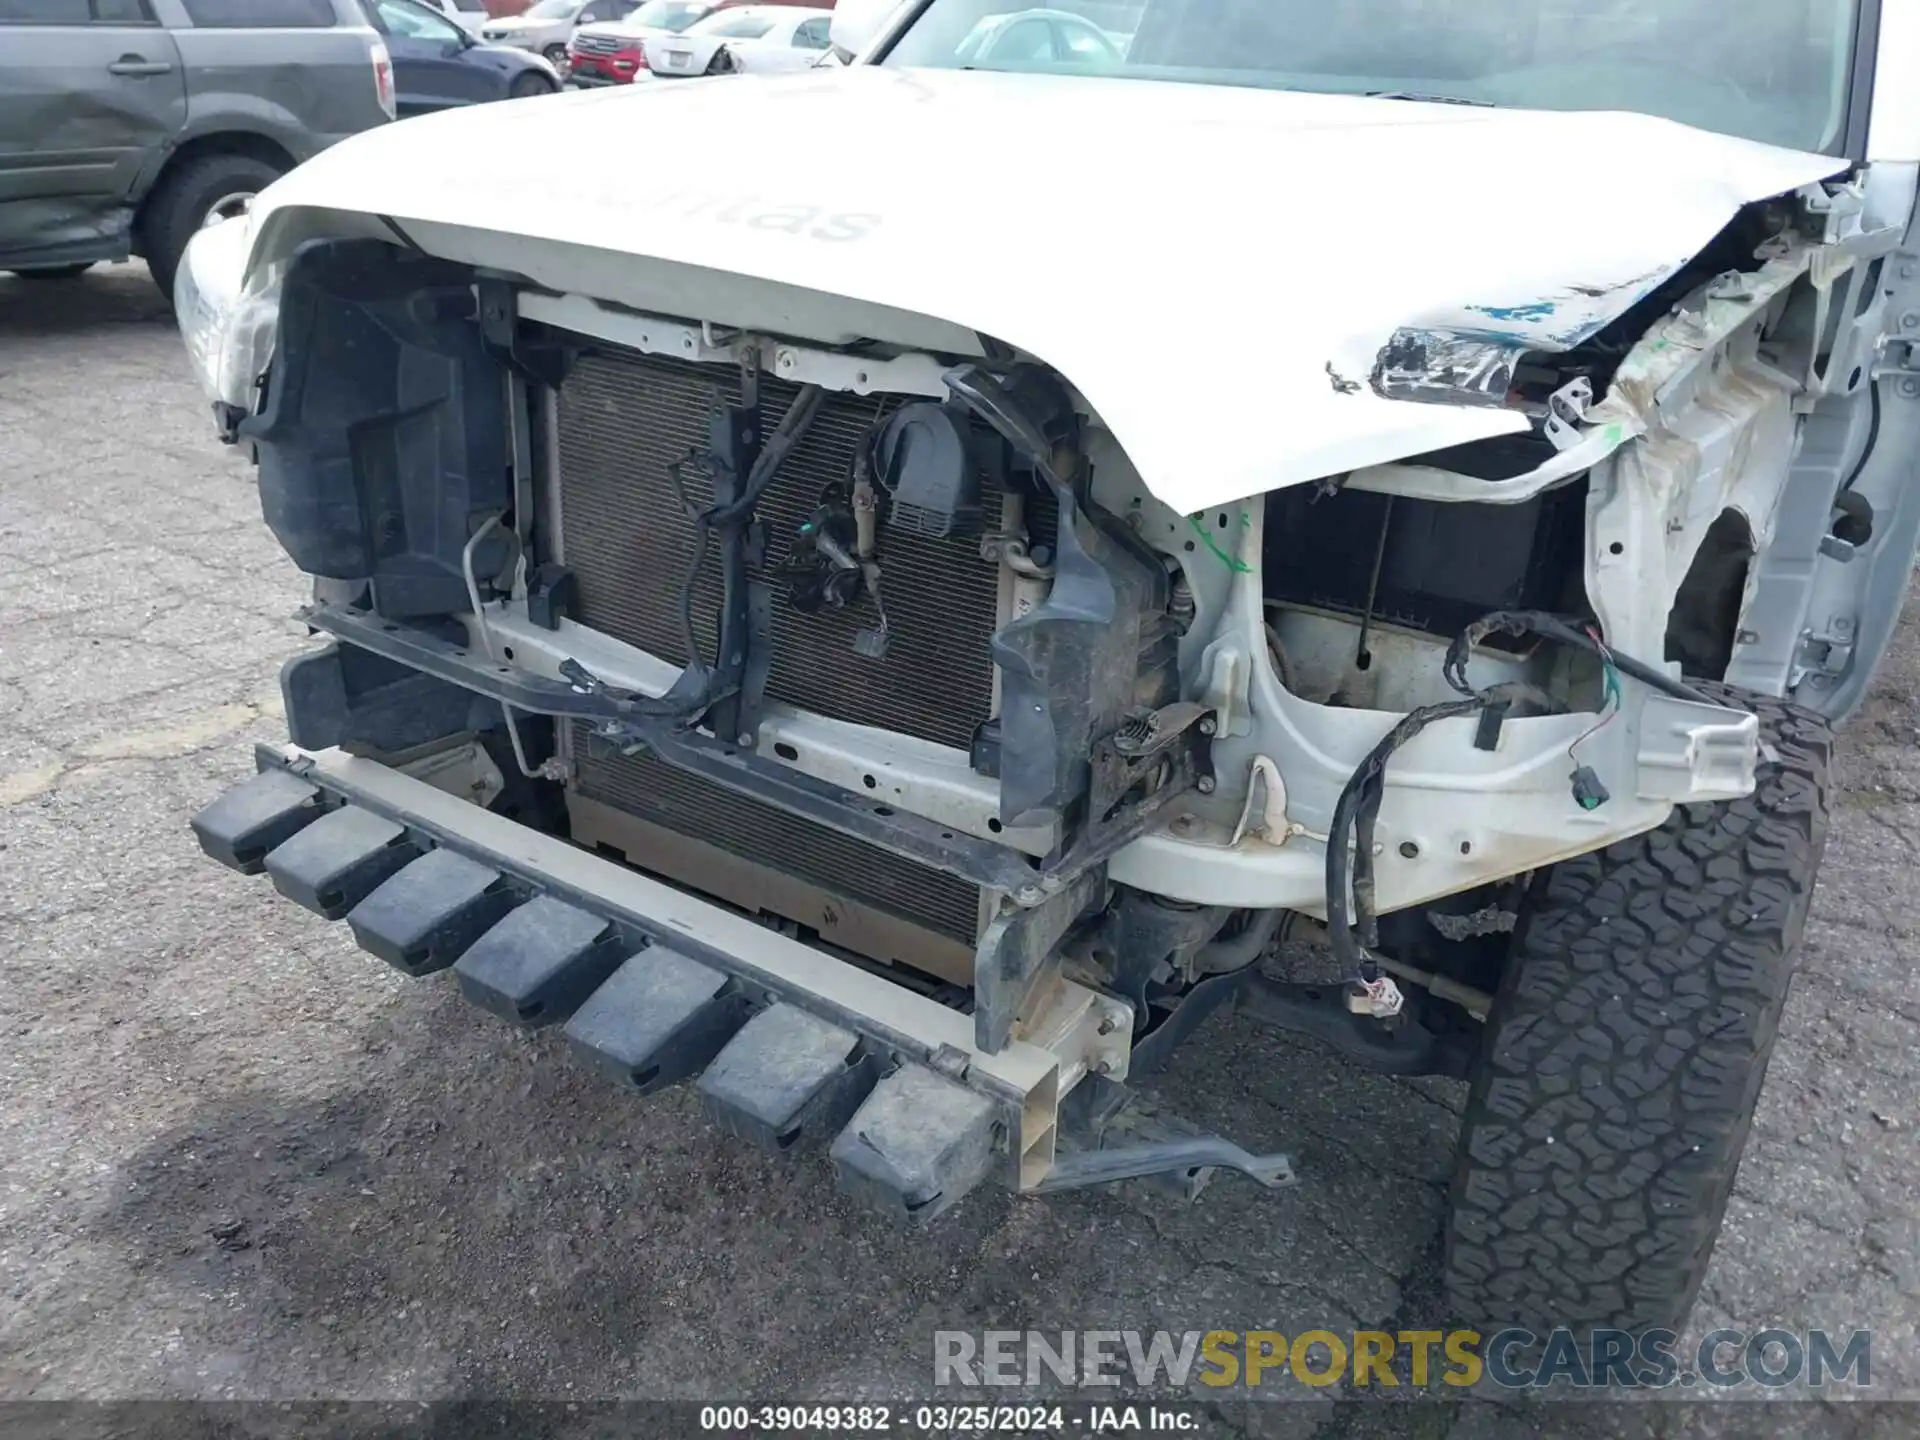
(1625, 1050)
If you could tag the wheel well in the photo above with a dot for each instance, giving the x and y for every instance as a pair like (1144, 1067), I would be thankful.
(1705, 617)
(224, 142)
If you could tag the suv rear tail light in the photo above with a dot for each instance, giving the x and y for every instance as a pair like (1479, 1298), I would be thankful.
(383, 79)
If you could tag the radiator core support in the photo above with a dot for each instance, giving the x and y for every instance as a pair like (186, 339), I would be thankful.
(621, 419)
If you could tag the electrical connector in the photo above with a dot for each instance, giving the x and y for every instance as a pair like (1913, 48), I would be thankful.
(1588, 792)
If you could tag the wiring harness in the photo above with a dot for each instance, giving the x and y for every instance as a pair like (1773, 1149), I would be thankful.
(1352, 918)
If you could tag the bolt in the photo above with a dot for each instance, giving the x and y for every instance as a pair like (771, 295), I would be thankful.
(1910, 320)
(1102, 1067)
(745, 738)
(1910, 389)
(1208, 725)
(1105, 1027)
(1028, 895)
(1051, 883)
(1205, 784)
(1843, 626)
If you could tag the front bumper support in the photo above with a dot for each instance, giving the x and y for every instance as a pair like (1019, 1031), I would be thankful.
(654, 984)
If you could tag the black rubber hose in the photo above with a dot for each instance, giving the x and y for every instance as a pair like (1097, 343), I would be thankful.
(1565, 632)
(1222, 957)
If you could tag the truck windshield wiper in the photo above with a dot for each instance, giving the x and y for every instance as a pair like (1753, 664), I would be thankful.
(1426, 98)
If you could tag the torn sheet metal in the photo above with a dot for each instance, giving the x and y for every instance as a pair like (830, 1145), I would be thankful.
(1280, 278)
(1671, 350)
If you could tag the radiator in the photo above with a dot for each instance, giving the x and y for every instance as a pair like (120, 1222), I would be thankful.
(622, 419)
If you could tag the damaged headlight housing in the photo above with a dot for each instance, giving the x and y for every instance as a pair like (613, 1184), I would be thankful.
(228, 319)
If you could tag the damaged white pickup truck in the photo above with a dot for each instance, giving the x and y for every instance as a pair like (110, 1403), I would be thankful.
(897, 612)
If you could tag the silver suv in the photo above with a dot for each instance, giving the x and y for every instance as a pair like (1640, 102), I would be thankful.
(126, 124)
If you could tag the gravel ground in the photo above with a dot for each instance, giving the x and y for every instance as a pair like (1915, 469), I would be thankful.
(239, 1158)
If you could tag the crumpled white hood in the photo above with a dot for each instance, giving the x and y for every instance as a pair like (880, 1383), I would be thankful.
(1212, 268)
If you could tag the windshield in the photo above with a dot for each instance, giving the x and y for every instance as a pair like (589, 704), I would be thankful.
(1770, 70)
(552, 9)
(674, 15)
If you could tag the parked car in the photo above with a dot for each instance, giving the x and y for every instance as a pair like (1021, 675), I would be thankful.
(470, 15)
(546, 26)
(124, 124)
(748, 38)
(615, 52)
(1046, 38)
(437, 65)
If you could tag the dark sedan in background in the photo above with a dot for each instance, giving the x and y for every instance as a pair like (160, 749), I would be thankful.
(437, 65)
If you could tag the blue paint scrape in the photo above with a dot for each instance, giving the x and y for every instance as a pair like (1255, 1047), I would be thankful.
(1538, 310)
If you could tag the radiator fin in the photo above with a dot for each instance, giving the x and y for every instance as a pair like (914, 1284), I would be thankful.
(674, 800)
(622, 419)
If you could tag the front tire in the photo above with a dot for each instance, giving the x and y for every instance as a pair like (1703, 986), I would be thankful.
(186, 199)
(526, 86)
(1624, 1054)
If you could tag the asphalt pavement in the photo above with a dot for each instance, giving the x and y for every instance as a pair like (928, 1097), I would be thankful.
(241, 1158)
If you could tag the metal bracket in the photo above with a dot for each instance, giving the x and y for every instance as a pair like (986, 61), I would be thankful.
(1690, 752)
(1566, 411)
(1839, 210)
(1109, 1133)
(544, 363)
(1898, 358)
(735, 435)
(1134, 751)
(1402, 1047)
(753, 679)
(1013, 949)
(983, 862)
(1073, 1169)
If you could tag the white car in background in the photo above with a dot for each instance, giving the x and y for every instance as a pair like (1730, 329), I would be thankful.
(469, 15)
(618, 52)
(546, 26)
(750, 38)
(1043, 38)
